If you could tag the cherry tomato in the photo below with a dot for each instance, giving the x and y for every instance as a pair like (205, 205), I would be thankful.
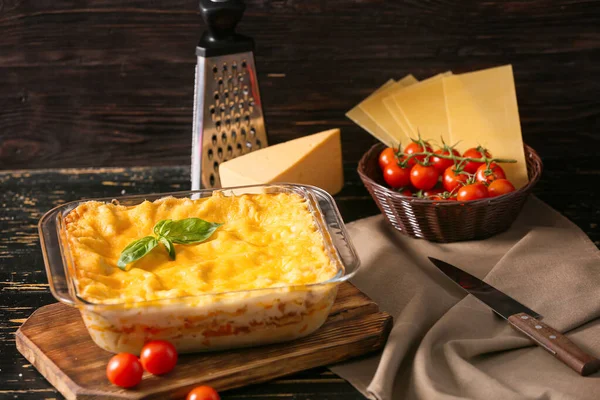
(495, 172)
(124, 370)
(451, 179)
(473, 191)
(500, 187)
(416, 148)
(158, 357)
(396, 176)
(203, 393)
(406, 192)
(471, 166)
(441, 164)
(387, 157)
(424, 177)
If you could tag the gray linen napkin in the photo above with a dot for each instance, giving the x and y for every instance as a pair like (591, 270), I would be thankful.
(447, 346)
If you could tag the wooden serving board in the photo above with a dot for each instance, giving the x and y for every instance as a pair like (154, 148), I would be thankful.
(55, 340)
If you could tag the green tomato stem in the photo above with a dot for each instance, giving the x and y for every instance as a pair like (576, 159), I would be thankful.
(459, 158)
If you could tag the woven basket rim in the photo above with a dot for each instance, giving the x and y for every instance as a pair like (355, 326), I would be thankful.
(529, 151)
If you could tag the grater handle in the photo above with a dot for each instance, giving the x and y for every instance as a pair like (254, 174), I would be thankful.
(221, 17)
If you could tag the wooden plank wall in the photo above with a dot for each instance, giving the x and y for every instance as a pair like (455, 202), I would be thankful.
(110, 83)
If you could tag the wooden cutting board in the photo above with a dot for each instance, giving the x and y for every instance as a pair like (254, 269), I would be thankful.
(55, 340)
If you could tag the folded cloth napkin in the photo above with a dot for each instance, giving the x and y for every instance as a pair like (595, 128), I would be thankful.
(447, 346)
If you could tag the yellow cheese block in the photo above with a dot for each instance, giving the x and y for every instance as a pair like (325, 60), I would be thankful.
(482, 110)
(375, 109)
(421, 109)
(363, 120)
(311, 160)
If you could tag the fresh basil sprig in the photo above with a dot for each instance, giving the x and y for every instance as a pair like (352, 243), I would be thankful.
(168, 245)
(185, 231)
(136, 250)
(167, 231)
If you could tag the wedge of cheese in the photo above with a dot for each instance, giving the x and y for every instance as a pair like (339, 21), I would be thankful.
(311, 160)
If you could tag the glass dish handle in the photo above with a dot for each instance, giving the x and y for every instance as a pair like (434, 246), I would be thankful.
(337, 230)
(49, 231)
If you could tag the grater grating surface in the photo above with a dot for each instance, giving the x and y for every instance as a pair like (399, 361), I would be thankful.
(228, 115)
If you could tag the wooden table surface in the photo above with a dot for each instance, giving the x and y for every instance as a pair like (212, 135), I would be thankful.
(26, 195)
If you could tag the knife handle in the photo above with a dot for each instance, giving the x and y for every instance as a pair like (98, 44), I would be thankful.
(555, 343)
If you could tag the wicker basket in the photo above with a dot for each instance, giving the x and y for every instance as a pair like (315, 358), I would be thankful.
(446, 221)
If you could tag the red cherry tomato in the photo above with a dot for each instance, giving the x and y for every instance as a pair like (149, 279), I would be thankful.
(203, 393)
(406, 192)
(124, 370)
(500, 187)
(396, 176)
(387, 157)
(424, 177)
(487, 175)
(416, 148)
(158, 357)
(441, 164)
(473, 191)
(451, 179)
(471, 166)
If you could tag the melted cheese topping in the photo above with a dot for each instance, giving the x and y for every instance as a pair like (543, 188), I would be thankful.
(267, 240)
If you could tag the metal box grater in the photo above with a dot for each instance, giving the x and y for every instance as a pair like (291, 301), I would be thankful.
(228, 116)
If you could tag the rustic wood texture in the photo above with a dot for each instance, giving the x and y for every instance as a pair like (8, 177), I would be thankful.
(55, 340)
(110, 83)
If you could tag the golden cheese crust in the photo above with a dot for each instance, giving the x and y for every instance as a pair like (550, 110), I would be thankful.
(267, 240)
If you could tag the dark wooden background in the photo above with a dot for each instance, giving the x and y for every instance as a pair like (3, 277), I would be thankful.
(109, 83)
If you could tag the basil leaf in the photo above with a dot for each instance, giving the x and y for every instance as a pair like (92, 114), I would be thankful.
(168, 245)
(162, 227)
(189, 230)
(136, 250)
(185, 231)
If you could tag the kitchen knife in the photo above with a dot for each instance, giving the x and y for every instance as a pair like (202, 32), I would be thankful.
(523, 319)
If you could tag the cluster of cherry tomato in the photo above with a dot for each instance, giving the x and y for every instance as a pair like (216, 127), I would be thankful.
(444, 174)
(158, 357)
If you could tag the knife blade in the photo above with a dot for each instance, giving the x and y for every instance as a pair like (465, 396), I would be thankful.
(522, 319)
(500, 303)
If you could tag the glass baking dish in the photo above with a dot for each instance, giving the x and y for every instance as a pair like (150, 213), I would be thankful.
(211, 321)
